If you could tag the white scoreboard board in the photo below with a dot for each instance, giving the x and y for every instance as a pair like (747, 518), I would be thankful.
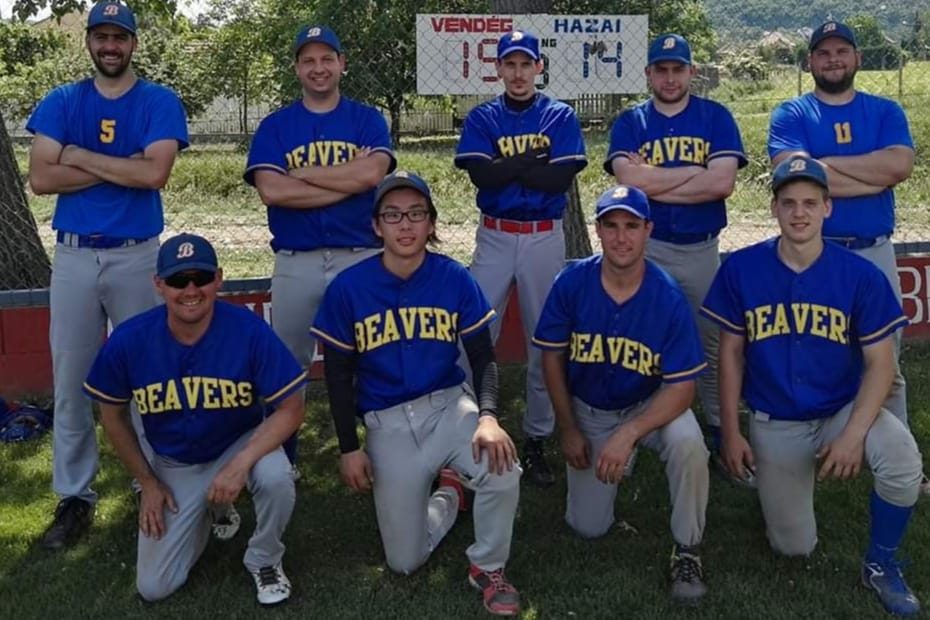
(581, 54)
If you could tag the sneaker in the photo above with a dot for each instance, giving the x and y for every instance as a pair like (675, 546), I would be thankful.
(924, 485)
(73, 517)
(749, 482)
(226, 521)
(535, 468)
(272, 584)
(888, 582)
(448, 477)
(687, 575)
(500, 597)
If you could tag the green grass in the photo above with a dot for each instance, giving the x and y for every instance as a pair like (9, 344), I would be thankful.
(334, 555)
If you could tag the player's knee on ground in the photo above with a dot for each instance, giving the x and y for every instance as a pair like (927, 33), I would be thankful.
(896, 462)
(156, 587)
(587, 524)
(793, 538)
(406, 561)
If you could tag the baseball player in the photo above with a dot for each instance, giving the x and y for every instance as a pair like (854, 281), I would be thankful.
(683, 151)
(315, 164)
(865, 145)
(806, 338)
(106, 146)
(522, 150)
(390, 328)
(201, 372)
(621, 354)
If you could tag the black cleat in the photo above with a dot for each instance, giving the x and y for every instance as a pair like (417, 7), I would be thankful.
(536, 470)
(73, 517)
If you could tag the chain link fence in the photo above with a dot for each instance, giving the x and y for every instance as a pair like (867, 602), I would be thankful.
(206, 193)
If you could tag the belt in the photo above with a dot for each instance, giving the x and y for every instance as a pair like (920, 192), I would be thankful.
(684, 238)
(854, 243)
(98, 242)
(518, 228)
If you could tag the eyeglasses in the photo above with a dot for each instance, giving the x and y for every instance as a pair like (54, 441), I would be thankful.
(395, 217)
(183, 278)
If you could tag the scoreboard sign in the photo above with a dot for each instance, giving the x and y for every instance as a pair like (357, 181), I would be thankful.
(581, 54)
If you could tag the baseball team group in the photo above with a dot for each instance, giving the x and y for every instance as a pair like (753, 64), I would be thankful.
(799, 335)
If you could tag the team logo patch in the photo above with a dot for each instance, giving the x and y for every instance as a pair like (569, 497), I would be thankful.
(798, 165)
(668, 43)
(111, 10)
(516, 36)
(402, 174)
(313, 32)
(829, 27)
(621, 192)
(185, 250)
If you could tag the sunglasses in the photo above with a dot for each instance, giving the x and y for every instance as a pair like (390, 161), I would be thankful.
(183, 278)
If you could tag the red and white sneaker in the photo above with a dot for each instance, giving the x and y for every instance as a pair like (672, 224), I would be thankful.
(500, 597)
(448, 477)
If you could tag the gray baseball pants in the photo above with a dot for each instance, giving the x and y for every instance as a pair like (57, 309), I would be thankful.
(408, 444)
(89, 286)
(162, 566)
(694, 266)
(532, 261)
(786, 463)
(680, 445)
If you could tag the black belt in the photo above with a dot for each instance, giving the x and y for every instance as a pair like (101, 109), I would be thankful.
(684, 238)
(855, 243)
(98, 242)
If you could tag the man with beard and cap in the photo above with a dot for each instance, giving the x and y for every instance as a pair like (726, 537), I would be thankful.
(865, 145)
(683, 151)
(106, 146)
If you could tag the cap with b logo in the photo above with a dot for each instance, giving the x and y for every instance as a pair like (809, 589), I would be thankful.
(799, 168)
(185, 252)
(623, 198)
(402, 179)
(518, 41)
(112, 13)
(316, 34)
(832, 29)
(670, 47)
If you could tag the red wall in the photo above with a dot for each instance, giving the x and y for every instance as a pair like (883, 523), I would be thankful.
(26, 365)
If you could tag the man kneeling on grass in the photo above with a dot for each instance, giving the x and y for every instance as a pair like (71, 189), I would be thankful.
(201, 372)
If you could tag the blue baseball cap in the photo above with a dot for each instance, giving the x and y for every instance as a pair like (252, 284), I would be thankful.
(832, 29)
(112, 13)
(671, 47)
(625, 198)
(316, 34)
(799, 168)
(402, 179)
(185, 252)
(518, 41)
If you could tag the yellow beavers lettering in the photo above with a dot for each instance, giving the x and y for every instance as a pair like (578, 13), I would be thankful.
(209, 393)
(514, 145)
(321, 153)
(797, 318)
(685, 149)
(630, 354)
(414, 323)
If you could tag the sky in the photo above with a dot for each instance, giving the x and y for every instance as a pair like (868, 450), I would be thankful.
(190, 8)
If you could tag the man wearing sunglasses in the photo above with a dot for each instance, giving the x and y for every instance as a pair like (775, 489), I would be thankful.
(106, 146)
(202, 373)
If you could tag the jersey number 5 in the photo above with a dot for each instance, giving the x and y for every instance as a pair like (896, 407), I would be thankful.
(843, 132)
(107, 130)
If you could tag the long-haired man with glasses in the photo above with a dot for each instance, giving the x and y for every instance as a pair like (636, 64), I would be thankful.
(202, 373)
(390, 327)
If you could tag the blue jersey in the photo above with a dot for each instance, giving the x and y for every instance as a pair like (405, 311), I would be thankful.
(703, 131)
(804, 331)
(404, 333)
(619, 354)
(493, 131)
(78, 114)
(865, 124)
(195, 401)
(294, 137)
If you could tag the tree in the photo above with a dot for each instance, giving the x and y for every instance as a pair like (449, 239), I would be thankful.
(878, 51)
